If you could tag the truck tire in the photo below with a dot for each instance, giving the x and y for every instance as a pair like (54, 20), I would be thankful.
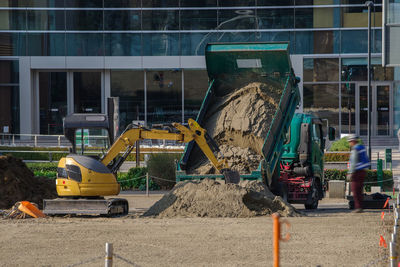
(313, 198)
(283, 191)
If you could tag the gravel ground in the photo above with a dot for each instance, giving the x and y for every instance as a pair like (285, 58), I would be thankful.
(331, 236)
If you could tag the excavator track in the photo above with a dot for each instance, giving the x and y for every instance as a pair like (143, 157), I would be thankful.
(112, 207)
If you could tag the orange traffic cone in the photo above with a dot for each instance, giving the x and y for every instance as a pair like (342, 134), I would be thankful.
(30, 209)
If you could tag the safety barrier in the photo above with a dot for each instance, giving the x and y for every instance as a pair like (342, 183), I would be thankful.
(108, 258)
(147, 180)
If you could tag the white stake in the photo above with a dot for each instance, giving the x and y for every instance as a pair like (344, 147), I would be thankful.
(109, 255)
(393, 256)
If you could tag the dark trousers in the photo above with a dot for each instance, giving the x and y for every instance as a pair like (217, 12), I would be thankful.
(357, 183)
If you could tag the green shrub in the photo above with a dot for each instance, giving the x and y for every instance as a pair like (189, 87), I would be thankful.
(45, 166)
(370, 179)
(135, 178)
(47, 174)
(336, 157)
(340, 145)
(163, 166)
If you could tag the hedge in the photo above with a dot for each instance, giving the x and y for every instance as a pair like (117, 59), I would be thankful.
(135, 178)
(336, 157)
(370, 179)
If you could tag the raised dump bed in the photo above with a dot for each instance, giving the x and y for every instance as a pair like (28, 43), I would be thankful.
(247, 110)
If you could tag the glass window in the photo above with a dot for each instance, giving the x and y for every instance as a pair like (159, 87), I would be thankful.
(198, 19)
(323, 101)
(348, 112)
(377, 41)
(122, 3)
(304, 42)
(12, 20)
(355, 69)
(80, 3)
(236, 37)
(122, 20)
(275, 18)
(357, 2)
(160, 3)
(322, 17)
(9, 108)
(123, 44)
(236, 19)
(46, 44)
(12, 44)
(84, 20)
(350, 38)
(160, 20)
(229, 3)
(164, 96)
(193, 44)
(326, 42)
(9, 71)
(85, 44)
(161, 44)
(128, 85)
(275, 2)
(196, 85)
(198, 3)
(43, 3)
(46, 20)
(52, 101)
(87, 92)
(357, 16)
(321, 69)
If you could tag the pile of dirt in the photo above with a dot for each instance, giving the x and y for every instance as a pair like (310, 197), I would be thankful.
(17, 183)
(239, 123)
(209, 198)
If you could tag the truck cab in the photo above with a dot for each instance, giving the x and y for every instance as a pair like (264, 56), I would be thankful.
(302, 162)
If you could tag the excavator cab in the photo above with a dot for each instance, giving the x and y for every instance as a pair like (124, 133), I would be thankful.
(85, 130)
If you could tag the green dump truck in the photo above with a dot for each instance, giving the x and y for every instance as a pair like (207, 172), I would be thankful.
(292, 147)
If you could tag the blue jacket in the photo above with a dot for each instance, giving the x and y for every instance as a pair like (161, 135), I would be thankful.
(358, 159)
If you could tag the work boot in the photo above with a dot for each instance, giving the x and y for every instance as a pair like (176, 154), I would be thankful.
(357, 211)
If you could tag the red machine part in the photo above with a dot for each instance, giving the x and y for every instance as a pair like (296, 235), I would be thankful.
(298, 186)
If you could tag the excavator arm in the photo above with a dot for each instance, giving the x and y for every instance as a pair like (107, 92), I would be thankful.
(128, 138)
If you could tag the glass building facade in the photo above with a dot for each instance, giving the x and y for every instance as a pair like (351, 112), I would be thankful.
(63, 56)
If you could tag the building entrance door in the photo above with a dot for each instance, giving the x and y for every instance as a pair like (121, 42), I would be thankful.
(382, 110)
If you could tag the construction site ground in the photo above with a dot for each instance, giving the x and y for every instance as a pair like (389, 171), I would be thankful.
(329, 236)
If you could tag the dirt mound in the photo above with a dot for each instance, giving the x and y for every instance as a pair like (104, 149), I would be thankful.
(208, 198)
(17, 183)
(239, 123)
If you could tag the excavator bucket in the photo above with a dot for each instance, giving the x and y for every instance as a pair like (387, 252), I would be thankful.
(231, 177)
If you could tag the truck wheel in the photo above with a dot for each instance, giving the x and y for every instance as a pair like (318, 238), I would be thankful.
(312, 202)
(283, 191)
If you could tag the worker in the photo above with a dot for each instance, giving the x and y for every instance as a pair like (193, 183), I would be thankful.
(359, 162)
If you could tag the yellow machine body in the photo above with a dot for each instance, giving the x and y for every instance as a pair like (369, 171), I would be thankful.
(92, 183)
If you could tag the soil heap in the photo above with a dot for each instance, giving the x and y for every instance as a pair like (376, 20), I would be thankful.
(209, 198)
(17, 183)
(239, 123)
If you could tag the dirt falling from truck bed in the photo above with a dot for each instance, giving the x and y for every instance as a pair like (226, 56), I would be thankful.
(209, 198)
(239, 123)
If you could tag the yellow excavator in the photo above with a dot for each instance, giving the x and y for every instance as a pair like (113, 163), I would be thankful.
(83, 181)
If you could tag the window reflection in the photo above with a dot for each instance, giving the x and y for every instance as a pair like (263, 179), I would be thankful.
(323, 101)
(87, 92)
(13, 44)
(122, 3)
(12, 20)
(122, 20)
(198, 19)
(160, 20)
(161, 44)
(52, 101)
(348, 105)
(195, 43)
(128, 85)
(320, 69)
(46, 20)
(160, 3)
(237, 19)
(198, 3)
(196, 85)
(85, 44)
(164, 96)
(275, 18)
(83, 20)
(46, 44)
(123, 44)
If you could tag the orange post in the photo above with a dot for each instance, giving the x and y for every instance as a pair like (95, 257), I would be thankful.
(277, 236)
